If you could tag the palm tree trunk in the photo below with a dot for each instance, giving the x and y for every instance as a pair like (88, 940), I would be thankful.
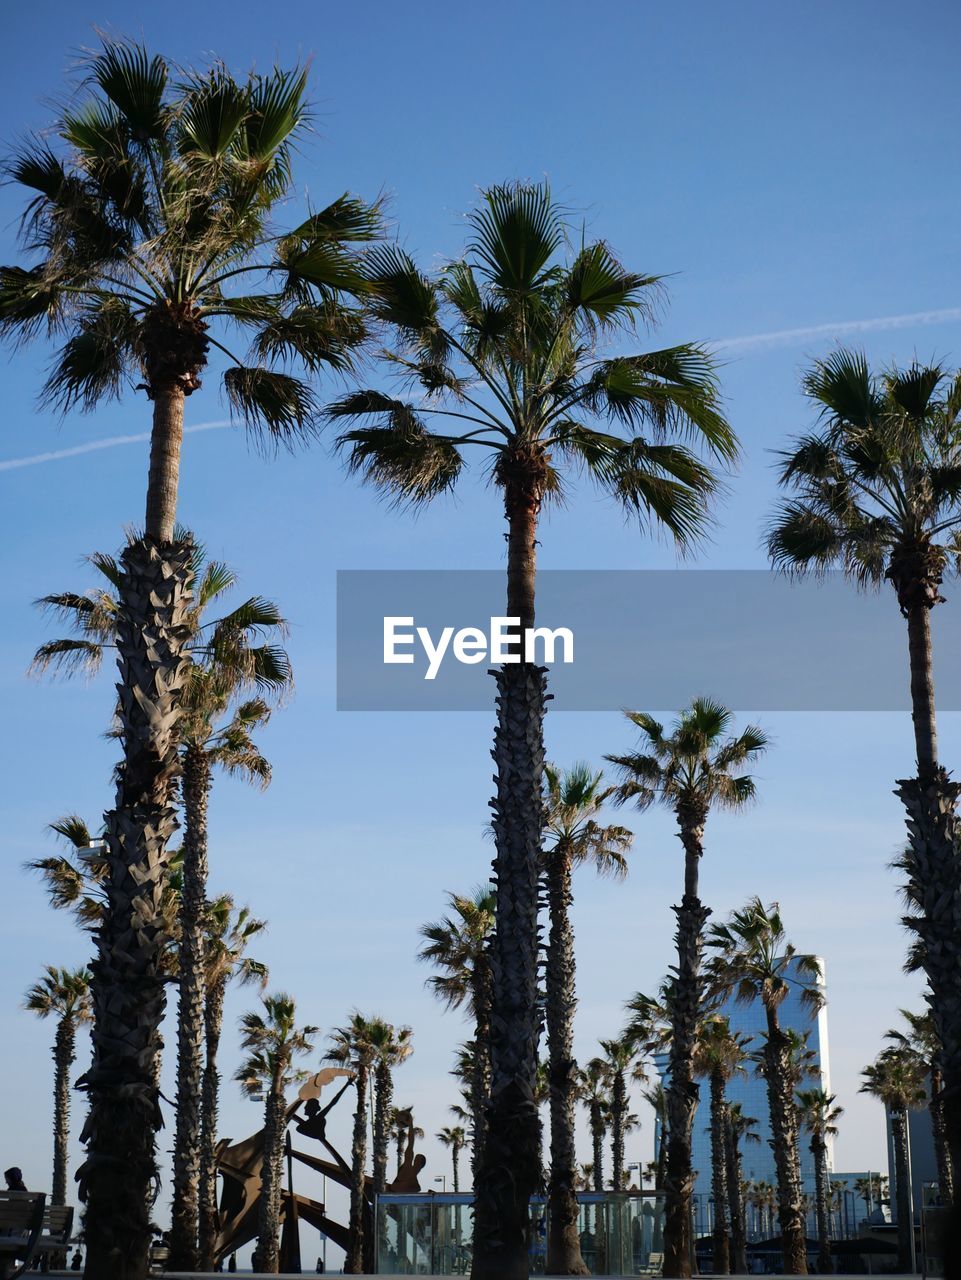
(899, 1134)
(267, 1254)
(166, 443)
(597, 1139)
(618, 1111)
(940, 1135)
(563, 1241)
(209, 1106)
(719, 1180)
(735, 1199)
(64, 1054)
(821, 1182)
(382, 1102)
(922, 687)
(454, 1159)
(481, 1073)
(354, 1261)
(784, 1144)
(684, 1003)
(118, 1178)
(184, 1232)
(510, 1169)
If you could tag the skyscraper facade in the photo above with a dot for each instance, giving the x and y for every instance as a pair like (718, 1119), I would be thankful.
(750, 1091)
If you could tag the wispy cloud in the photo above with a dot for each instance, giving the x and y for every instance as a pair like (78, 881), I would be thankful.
(91, 446)
(837, 329)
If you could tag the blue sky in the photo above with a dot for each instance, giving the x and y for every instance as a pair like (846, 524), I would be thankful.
(791, 167)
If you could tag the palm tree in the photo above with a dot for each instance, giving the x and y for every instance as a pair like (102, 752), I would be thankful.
(922, 1040)
(871, 1189)
(505, 347)
(895, 1080)
(656, 1097)
(594, 1091)
(572, 835)
(274, 1041)
(694, 769)
(454, 1139)
(228, 932)
(754, 959)
(391, 1046)
(618, 1061)
(458, 946)
(62, 994)
(719, 1054)
(146, 206)
(350, 1046)
(819, 1116)
(231, 656)
(738, 1128)
(877, 493)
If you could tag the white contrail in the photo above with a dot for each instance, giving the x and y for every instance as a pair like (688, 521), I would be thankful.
(786, 337)
(11, 464)
(748, 342)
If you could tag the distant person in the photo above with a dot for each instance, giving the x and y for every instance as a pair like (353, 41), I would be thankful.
(232, 1264)
(320, 1267)
(76, 1262)
(14, 1178)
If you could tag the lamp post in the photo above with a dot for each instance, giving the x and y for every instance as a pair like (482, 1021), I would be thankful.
(640, 1182)
(442, 1179)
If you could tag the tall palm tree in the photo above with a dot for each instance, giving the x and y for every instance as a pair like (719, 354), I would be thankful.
(229, 931)
(754, 960)
(391, 1046)
(274, 1040)
(692, 770)
(877, 492)
(454, 1139)
(617, 1063)
(719, 1054)
(457, 946)
(594, 1091)
(146, 206)
(819, 1115)
(63, 994)
(738, 1128)
(656, 1097)
(505, 347)
(350, 1046)
(572, 835)
(233, 658)
(895, 1080)
(921, 1039)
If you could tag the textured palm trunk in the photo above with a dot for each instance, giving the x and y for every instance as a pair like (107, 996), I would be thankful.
(563, 1240)
(735, 1198)
(118, 1178)
(819, 1151)
(481, 1073)
(267, 1254)
(685, 1009)
(899, 1136)
(209, 1107)
(64, 1053)
(932, 857)
(719, 1179)
(784, 1144)
(184, 1233)
(384, 1092)
(510, 1169)
(597, 1141)
(940, 1134)
(354, 1261)
(454, 1161)
(618, 1111)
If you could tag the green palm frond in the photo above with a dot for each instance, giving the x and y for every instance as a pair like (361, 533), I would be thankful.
(275, 406)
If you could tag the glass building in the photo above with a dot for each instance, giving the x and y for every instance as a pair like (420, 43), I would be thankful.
(750, 1091)
(430, 1234)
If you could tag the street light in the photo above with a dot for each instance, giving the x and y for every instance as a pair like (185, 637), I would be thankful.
(637, 1166)
(443, 1179)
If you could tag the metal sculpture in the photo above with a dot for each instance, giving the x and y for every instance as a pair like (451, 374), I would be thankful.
(239, 1165)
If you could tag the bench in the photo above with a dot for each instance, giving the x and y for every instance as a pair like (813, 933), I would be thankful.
(55, 1235)
(21, 1225)
(655, 1265)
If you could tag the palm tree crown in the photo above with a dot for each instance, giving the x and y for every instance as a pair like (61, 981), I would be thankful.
(147, 203)
(754, 959)
(504, 349)
(61, 993)
(572, 833)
